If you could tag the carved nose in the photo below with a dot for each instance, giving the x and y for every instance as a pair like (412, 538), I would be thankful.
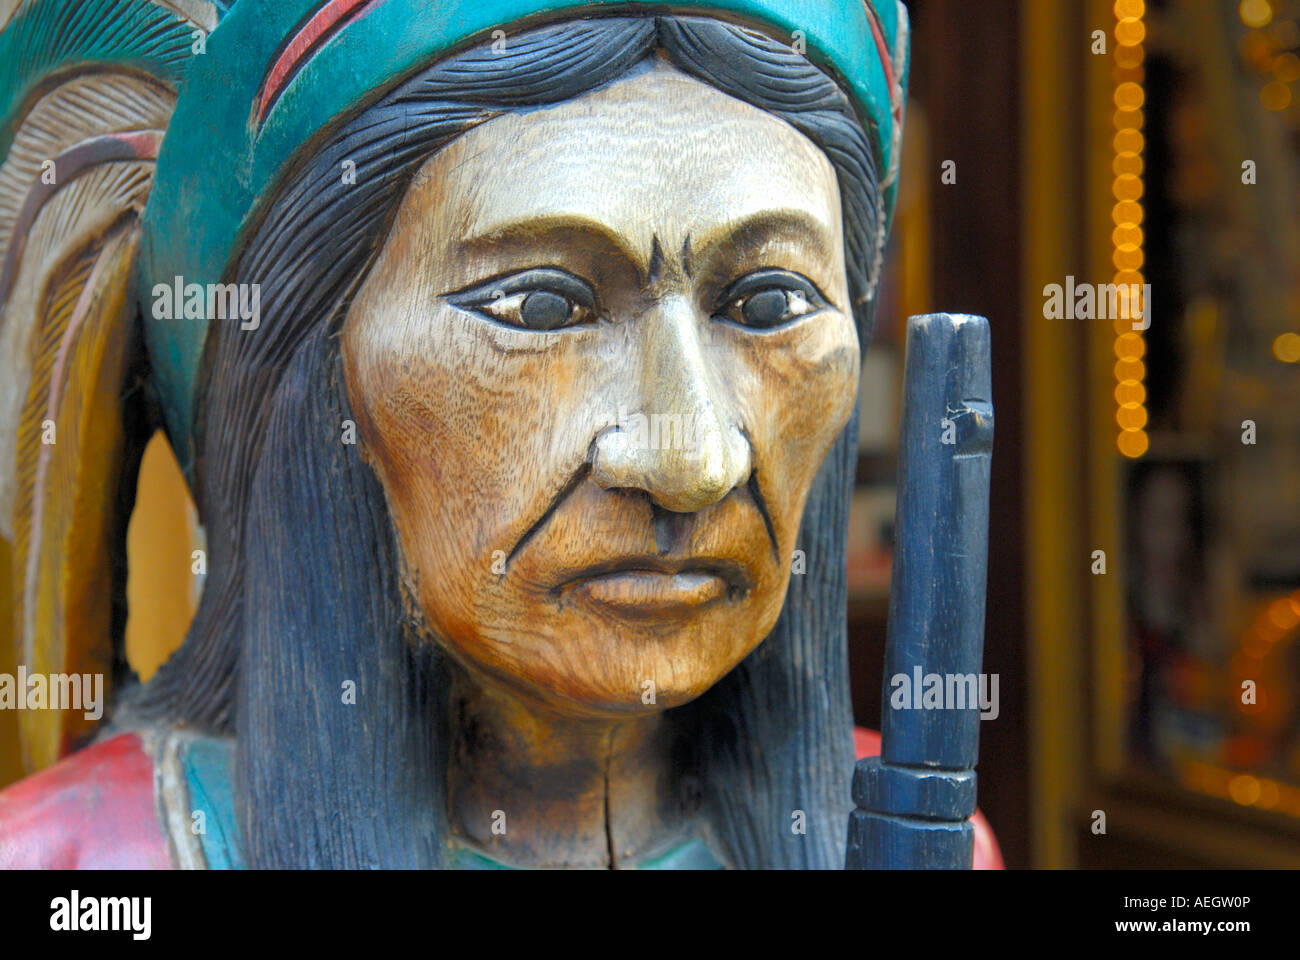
(678, 441)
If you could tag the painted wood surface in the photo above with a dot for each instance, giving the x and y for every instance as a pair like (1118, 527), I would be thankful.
(914, 801)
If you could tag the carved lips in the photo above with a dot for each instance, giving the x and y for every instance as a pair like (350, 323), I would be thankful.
(651, 587)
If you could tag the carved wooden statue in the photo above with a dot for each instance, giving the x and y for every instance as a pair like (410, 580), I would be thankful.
(510, 349)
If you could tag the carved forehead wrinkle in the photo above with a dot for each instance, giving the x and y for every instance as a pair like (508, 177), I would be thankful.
(691, 160)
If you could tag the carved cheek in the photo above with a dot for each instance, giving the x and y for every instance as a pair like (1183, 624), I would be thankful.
(405, 391)
(800, 386)
(471, 429)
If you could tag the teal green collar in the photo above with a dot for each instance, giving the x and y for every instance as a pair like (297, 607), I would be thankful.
(690, 854)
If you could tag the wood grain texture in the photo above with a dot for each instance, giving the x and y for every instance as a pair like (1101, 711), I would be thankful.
(85, 93)
(76, 209)
(335, 565)
(306, 577)
(49, 39)
(65, 514)
(586, 575)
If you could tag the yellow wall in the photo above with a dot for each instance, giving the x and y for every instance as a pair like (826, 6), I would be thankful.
(161, 590)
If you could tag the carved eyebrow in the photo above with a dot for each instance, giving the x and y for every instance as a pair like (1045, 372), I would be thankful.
(754, 230)
(726, 240)
(560, 230)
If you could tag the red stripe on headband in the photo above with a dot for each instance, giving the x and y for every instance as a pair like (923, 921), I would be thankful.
(886, 57)
(322, 25)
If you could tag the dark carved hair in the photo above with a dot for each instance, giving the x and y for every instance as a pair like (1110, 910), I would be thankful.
(304, 590)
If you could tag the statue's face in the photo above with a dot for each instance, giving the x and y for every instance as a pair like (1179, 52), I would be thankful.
(602, 355)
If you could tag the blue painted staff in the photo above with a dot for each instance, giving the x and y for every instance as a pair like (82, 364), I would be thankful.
(915, 800)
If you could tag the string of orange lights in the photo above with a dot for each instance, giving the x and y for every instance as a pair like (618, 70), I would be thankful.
(1127, 256)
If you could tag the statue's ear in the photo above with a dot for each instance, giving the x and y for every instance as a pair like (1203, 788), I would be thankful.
(78, 148)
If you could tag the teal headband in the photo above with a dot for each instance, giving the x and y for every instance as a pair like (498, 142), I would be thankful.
(275, 74)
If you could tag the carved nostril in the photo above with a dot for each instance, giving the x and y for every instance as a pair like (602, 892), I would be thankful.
(612, 460)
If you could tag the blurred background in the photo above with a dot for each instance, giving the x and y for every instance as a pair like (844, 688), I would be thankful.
(1144, 569)
(1116, 143)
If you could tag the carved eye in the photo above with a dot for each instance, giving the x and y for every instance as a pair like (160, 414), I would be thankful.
(542, 299)
(770, 298)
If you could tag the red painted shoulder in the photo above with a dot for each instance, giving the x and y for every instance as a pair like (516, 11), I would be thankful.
(866, 743)
(92, 810)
